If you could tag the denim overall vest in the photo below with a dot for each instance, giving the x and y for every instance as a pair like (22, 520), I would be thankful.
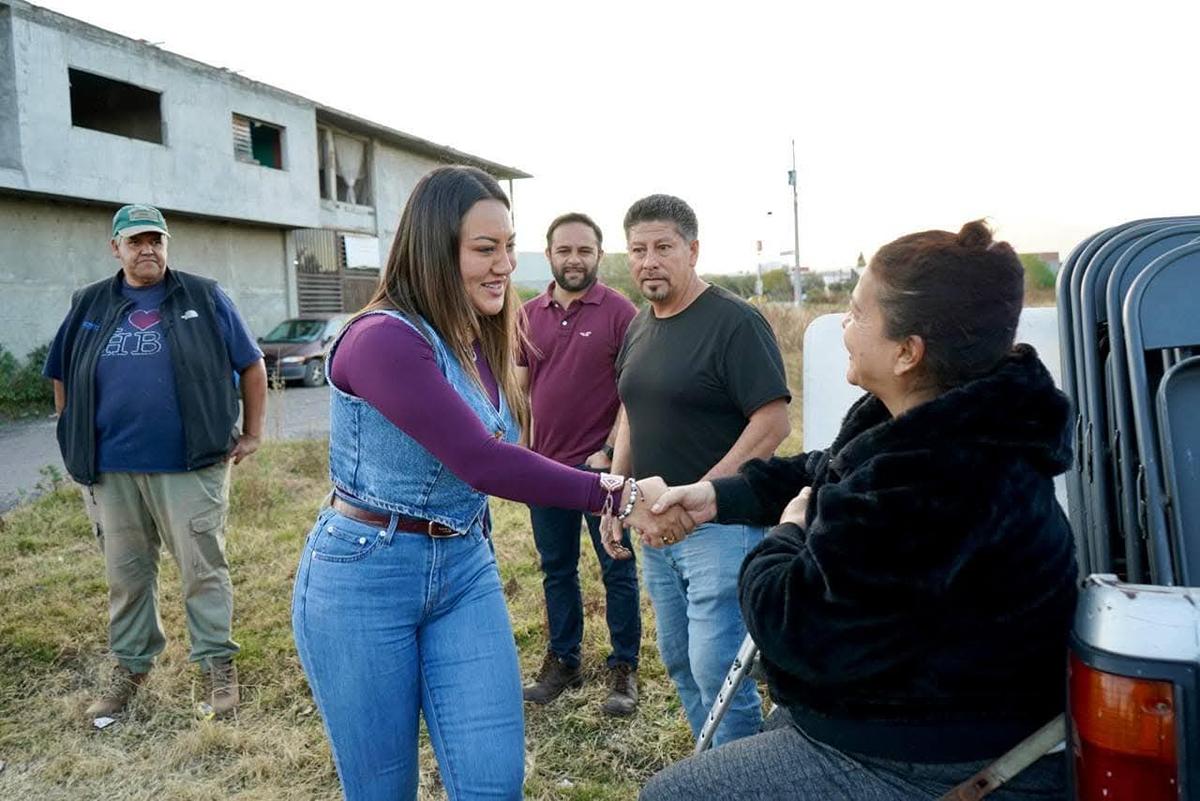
(374, 461)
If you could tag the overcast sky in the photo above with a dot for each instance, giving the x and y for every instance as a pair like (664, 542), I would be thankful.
(1053, 119)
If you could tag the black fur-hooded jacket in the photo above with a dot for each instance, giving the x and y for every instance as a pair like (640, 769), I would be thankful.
(922, 613)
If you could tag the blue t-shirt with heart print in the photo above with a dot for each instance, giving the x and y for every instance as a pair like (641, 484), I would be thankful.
(138, 427)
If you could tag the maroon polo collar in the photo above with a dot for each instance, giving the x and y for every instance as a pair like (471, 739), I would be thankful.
(593, 296)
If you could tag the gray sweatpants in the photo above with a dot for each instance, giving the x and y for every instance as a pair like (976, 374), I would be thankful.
(135, 514)
(784, 764)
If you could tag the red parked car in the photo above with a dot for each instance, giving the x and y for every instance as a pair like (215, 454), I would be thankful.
(295, 349)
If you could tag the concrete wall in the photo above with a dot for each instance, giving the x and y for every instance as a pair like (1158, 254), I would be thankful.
(345, 217)
(48, 249)
(394, 174)
(194, 170)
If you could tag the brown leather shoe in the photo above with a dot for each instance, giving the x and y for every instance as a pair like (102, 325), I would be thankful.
(622, 697)
(554, 677)
(221, 693)
(123, 684)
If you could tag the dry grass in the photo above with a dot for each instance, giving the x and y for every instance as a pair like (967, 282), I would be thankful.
(1040, 296)
(790, 323)
(52, 657)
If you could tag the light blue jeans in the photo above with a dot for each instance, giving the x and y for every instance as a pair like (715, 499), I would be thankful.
(693, 586)
(392, 625)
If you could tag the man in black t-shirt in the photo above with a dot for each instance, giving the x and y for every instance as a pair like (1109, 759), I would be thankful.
(702, 389)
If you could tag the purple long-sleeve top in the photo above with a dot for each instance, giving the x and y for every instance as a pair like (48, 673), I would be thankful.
(381, 359)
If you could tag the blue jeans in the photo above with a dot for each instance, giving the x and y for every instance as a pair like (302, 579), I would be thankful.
(392, 625)
(693, 586)
(556, 534)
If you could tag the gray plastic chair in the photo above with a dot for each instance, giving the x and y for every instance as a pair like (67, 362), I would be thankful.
(1179, 444)
(1109, 531)
(1093, 552)
(1122, 436)
(1076, 508)
(1090, 349)
(1160, 318)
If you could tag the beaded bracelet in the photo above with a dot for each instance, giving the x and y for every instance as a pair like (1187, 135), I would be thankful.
(633, 497)
(610, 483)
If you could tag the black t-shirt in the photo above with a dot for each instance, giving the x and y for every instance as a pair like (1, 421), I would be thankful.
(690, 382)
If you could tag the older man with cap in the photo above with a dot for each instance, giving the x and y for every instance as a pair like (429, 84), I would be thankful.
(146, 369)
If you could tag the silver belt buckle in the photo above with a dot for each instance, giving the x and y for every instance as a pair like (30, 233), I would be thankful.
(432, 532)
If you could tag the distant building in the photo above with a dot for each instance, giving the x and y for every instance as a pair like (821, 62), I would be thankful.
(290, 204)
(831, 277)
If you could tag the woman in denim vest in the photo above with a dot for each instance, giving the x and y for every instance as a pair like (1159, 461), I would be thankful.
(398, 609)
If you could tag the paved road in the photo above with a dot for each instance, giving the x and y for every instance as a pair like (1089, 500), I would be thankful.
(28, 447)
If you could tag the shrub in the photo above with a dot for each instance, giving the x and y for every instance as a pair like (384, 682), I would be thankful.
(1039, 281)
(777, 285)
(614, 272)
(1038, 274)
(741, 284)
(22, 388)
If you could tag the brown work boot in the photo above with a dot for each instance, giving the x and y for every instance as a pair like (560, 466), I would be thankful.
(221, 694)
(554, 677)
(623, 693)
(123, 683)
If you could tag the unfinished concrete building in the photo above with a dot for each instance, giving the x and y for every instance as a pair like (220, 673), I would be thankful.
(290, 204)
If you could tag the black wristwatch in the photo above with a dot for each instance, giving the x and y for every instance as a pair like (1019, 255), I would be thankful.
(608, 451)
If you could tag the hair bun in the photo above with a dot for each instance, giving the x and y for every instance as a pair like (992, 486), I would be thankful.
(975, 235)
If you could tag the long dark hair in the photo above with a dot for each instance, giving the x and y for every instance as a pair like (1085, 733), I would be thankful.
(961, 293)
(422, 277)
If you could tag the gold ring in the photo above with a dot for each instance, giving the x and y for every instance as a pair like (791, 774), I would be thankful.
(669, 540)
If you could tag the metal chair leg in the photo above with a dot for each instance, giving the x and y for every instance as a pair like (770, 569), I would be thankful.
(737, 671)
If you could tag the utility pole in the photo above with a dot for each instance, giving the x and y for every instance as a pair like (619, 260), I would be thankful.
(797, 284)
(758, 282)
(758, 288)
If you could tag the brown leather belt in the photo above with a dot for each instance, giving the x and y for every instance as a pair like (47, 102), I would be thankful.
(412, 525)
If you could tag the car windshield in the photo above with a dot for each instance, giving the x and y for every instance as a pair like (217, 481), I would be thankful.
(296, 331)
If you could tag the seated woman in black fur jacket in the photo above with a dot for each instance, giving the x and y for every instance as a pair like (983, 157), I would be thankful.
(912, 606)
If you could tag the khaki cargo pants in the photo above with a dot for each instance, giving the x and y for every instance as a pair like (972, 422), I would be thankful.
(135, 514)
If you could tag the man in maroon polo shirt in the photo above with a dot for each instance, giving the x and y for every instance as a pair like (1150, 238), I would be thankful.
(575, 329)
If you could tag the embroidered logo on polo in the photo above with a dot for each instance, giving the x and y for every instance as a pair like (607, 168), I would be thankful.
(140, 337)
(585, 333)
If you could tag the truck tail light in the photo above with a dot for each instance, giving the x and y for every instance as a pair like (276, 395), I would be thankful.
(1123, 736)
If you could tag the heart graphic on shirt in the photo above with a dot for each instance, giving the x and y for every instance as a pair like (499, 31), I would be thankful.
(141, 320)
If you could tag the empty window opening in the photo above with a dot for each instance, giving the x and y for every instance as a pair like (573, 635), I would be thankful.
(257, 142)
(115, 107)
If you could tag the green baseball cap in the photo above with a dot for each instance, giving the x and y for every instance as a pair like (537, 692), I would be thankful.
(138, 218)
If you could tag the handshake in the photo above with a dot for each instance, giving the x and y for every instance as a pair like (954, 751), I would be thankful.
(663, 515)
(660, 515)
